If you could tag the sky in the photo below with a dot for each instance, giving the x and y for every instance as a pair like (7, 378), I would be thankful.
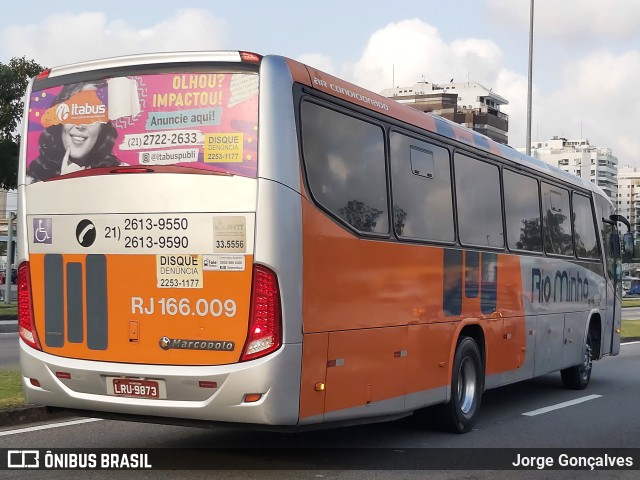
(586, 54)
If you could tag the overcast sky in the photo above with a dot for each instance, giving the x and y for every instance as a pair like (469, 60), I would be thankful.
(586, 52)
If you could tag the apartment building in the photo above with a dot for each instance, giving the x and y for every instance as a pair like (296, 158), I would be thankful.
(582, 159)
(467, 103)
(628, 199)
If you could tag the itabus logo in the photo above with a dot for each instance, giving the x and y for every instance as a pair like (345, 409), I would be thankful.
(87, 109)
(82, 108)
(62, 112)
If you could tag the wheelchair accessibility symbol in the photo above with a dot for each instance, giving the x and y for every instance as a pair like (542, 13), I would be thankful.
(42, 232)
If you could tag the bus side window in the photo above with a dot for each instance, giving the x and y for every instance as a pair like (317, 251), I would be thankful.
(584, 227)
(421, 190)
(557, 222)
(522, 212)
(345, 164)
(479, 202)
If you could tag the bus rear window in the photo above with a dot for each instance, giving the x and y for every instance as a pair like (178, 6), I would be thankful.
(206, 121)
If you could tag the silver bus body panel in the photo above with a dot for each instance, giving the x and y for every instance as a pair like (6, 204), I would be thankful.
(22, 251)
(125, 193)
(615, 343)
(279, 211)
(555, 326)
(149, 59)
(279, 246)
(277, 157)
(275, 377)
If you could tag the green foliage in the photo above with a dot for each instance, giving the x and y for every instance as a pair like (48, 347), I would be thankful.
(630, 302)
(14, 78)
(11, 389)
(8, 309)
(9, 150)
(630, 329)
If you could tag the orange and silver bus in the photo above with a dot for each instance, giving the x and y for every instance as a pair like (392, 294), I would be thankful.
(214, 237)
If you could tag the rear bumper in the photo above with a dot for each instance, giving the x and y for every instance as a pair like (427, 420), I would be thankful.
(276, 377)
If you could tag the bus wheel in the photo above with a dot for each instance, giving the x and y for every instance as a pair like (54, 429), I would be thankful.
(577, 377)
(467, 384)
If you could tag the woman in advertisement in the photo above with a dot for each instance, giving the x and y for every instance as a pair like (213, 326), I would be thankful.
(70, 147)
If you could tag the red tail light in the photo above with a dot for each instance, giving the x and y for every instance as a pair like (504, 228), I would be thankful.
(265, 316)
(44, 74)
(250, 57)
(132, 170)
(25, 307)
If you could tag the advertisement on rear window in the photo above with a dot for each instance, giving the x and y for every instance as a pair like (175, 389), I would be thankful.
(206, 121)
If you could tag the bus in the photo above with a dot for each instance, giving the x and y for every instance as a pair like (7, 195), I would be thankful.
(630, 286)
(228, 238)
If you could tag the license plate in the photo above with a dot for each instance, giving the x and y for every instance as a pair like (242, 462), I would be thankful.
(130, 387)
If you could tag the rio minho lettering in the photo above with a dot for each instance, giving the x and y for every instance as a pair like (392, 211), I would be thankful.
(559, 286)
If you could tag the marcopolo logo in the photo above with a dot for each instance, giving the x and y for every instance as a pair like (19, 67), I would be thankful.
(167, 343)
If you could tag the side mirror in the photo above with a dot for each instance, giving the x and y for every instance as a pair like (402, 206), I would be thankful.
(627, 244)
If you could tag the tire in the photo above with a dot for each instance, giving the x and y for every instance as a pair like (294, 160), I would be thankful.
(578, 376)
(467, 385)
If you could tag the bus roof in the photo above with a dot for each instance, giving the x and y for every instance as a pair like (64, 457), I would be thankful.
(148, 59)
(336, 87)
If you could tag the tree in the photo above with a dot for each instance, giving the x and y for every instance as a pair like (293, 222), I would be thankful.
(360, 215)
(14, 78)
(530, 238)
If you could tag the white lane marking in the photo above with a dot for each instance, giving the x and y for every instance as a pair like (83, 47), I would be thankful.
(561, 405)
(50, 425)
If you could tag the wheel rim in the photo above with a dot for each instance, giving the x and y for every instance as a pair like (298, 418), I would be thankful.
(467, 385)
(587, 363)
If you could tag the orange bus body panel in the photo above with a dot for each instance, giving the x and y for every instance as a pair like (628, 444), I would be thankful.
(365, 366)
(135, 276)
(382, 305)
(314, 371)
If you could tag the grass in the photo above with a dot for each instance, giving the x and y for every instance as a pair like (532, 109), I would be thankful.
(8, 309)
(630, 328)
(11, 395)
(631, 302)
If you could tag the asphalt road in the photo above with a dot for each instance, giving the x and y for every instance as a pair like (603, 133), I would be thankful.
(524, 415)
(631, 313)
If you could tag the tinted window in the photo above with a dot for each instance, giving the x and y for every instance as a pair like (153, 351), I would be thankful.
(557, 224)
(479, 203)
(421, 190)
(522, 212)
(344, 160)
(584, 228)
(604, 210)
